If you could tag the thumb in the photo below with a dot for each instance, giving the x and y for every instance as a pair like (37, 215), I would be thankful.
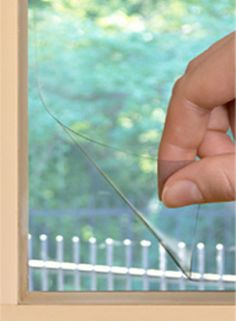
(211, 179)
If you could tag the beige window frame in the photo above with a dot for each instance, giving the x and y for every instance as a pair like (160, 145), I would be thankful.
(16, 303)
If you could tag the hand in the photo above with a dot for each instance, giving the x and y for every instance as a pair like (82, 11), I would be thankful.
(200, 112)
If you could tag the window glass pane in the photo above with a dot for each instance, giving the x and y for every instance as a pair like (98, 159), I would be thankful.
(100, 77)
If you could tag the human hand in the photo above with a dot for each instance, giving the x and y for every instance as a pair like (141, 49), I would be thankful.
(200, 112)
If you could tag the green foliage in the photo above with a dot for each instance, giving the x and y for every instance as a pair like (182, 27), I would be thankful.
(108, 75)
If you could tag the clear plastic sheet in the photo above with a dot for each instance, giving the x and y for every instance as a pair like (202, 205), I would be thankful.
(153, 214)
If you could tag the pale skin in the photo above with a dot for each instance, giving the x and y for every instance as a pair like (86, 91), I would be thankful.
(200, 113)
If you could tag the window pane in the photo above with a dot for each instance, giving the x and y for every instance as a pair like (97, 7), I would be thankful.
(100, 76)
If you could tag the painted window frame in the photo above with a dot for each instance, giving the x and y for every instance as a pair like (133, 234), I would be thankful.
(15, 299)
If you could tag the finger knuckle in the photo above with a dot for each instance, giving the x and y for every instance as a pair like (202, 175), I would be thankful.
(177, 86)
(190, 66)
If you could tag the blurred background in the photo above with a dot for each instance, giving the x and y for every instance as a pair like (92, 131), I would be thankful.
(105, 69)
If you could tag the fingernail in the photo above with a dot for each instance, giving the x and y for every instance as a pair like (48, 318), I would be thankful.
(181, 193)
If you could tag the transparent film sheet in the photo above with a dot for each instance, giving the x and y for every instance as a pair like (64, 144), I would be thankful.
(107, 188)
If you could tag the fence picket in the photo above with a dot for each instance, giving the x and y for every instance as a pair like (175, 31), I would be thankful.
(128, 261)
(182, 256)
(220, 265)
(30, 252)
(76, 260)
(109, 261)
(162, 258)
(60, 259)
(44, 257)
(145, 245)
(201, 264)
(93, 260)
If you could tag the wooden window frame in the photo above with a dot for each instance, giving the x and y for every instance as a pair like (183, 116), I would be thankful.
(16, 302)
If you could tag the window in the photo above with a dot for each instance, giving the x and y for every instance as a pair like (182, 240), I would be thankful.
(99, 80)
(15, 301)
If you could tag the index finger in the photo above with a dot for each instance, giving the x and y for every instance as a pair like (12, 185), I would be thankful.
(209, 84)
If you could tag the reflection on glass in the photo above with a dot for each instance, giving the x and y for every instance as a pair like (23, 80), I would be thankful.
(100, 76)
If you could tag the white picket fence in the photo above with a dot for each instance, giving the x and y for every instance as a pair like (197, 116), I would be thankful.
(164, 277)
